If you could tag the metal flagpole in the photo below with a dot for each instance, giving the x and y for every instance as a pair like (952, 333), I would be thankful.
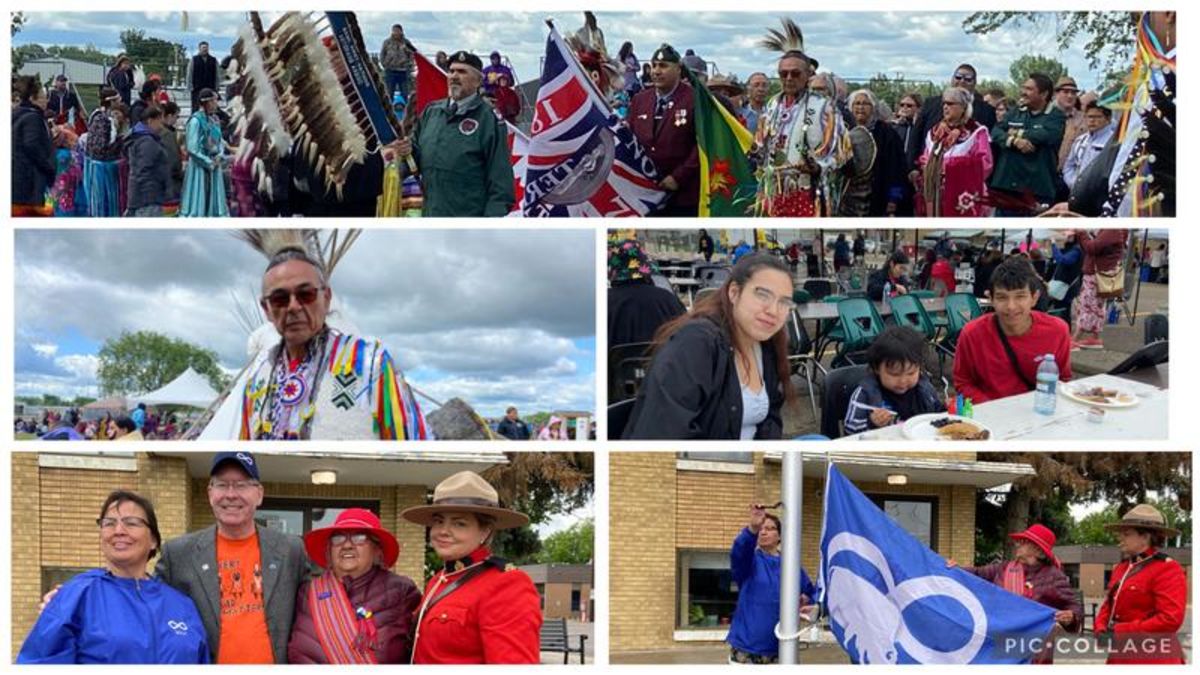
(788, 629)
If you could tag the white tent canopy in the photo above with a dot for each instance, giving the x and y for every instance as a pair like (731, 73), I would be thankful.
(190, 388)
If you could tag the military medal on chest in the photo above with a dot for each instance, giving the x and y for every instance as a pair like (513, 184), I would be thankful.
(681, 117)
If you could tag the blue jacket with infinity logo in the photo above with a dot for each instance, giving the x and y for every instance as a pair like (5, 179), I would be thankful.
(100, 618)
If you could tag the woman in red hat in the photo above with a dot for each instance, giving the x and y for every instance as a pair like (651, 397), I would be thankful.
(1147, 595)
(1035, 573)
(356, 612)
(477, 608)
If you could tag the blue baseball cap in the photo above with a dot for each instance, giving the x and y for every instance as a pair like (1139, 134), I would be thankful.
(245, 460)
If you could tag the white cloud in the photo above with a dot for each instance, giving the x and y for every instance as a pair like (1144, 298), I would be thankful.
(47, 350)
(484, 310)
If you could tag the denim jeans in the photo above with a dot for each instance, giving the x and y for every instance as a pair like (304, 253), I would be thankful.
(397, 80)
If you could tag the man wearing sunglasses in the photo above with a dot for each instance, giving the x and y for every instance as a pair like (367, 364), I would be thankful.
(964, 76)
(801, 139)
(319, 382)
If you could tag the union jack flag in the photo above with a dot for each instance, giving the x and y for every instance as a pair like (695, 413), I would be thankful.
(582, 160)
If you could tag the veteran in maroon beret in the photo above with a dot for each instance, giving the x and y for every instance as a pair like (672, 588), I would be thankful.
(664, 121)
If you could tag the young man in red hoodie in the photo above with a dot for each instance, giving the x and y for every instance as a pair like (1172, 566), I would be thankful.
(983, 369)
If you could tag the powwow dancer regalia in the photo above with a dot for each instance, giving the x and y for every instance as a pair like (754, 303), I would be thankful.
(801, 137)
(313, 380)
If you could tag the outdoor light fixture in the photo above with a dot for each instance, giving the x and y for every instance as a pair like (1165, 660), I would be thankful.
(897, 479)
(323, 476)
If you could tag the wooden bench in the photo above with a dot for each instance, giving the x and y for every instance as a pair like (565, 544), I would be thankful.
(554, 638)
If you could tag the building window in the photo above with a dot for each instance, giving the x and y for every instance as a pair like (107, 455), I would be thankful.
(917, 515)
(57, 576)
(300, 515)
(576, 599)
(707, 456)
(707, 594)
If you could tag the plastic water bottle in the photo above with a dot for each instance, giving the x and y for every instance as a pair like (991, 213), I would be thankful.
(887, 293)
(1045, 397)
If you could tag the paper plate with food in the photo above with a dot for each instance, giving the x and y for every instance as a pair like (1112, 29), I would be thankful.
(944, 427)
(1105, 397)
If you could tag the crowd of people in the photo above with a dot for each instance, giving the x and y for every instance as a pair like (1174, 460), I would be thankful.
(239, 592)
(821, 147)
(136, 425)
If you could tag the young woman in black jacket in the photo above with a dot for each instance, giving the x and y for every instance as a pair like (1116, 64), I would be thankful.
(721, 371)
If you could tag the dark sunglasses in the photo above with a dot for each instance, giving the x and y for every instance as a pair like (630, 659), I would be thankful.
(281, 298)
(964, 78)
(791, 74)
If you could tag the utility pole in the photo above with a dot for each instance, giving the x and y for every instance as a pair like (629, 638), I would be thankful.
(791, 492)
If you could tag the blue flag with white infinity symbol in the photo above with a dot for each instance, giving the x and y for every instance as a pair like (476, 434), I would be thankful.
(892, 600)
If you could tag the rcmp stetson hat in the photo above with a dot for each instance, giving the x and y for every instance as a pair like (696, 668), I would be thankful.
(1145, 517)
(466, 491)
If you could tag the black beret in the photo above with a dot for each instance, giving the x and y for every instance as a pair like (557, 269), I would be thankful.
(467, 59)
(666, 54)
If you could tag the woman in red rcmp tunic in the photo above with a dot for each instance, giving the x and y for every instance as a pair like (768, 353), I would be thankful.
(477, 608)
(1147, 597)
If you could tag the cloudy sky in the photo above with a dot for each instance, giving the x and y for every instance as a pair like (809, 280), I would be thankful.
(917, 45)
(493, 317)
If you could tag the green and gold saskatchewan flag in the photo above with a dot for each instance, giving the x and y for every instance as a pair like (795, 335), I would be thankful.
(727, 185)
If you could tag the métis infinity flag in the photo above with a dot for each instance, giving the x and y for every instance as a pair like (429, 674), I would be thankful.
(892, 600)
(582, 160)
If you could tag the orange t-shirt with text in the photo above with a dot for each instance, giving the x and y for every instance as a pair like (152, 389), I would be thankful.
(244, 637)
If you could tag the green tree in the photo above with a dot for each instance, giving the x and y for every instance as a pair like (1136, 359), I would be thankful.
(52, 400)
(1011, 92)
(573, 546)
(18, 22)
(1107, 37)
(890, 89)
(144, 361)
(1035, 63)
(1090, 531)
(154, 55)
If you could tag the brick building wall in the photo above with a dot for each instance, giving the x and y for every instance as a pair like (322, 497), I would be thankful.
(641, 557)
(557, 603)
(710, 508)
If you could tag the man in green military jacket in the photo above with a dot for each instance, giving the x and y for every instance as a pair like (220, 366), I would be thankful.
(461, 149)
(1027, 143)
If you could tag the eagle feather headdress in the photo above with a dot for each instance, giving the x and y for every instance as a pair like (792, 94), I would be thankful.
(789, 41)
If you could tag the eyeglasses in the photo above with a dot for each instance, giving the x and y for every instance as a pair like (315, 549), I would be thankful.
(951, 103)
(792, 74)
(962, 77)
(356, 538)
(235, 485)
(130, 523)
(767, 299)
(281, 298)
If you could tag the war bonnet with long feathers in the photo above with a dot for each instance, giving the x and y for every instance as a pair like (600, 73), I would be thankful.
(788, 42)
(298, 96)
(325, 255)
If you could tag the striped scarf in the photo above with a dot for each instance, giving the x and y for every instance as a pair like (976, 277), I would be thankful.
(1014, 580)
(346, 635)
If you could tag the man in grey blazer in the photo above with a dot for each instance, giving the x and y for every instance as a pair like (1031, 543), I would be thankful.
(242, 577)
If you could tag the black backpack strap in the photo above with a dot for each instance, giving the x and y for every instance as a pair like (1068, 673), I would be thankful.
(1012, 356)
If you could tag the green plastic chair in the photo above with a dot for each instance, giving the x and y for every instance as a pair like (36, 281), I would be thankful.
(801, 296)
(908, 311)
(829, 330)
(860, 323)
(923, 293)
